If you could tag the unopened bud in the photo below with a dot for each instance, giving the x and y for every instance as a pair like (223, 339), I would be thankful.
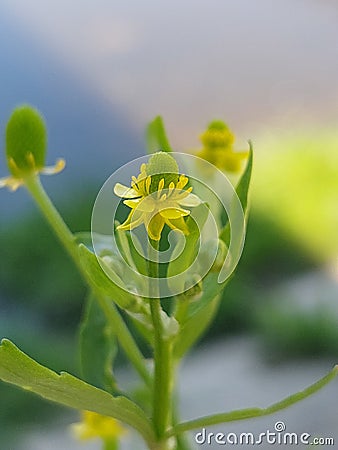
(26, 141)
(162, 165)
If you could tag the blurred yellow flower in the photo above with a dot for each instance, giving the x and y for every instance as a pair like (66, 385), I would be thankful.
(217, 148)
(156, 198)
(94, 425)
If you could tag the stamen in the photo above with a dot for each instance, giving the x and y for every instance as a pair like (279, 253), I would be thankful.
(148, 183)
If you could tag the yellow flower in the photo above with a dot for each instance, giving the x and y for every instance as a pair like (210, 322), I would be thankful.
(94, 425)
(217, 148)
(26, 143)
(156, 198)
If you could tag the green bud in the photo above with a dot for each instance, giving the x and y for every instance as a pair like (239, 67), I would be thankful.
(214, 253)
(193, 287)
(162, 165)
(221, 254)
(218, 125)
(218, 134)
(26, 141)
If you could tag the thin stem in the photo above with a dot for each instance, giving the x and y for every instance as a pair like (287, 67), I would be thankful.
(162, 357)
(249, 413)
(66, 237)
(53, 217)
(123, 335)
(182, 305)
(181, 439)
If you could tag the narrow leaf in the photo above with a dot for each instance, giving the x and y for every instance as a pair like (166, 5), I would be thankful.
(249, 413)
(242, 190)
(156, 137)
(179, 264)
(98, 347)
(193, 328)
(105, 285)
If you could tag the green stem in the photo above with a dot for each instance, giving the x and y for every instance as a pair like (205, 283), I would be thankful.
(56, 222)
(182, 306)
(249, 413)
(124, 337)
(181, 439)
(53, 217)
(162, 359)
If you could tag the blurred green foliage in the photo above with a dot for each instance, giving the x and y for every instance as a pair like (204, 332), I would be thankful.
(295, 334)
(295, 184)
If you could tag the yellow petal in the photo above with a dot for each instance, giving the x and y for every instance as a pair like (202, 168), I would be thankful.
(11, 183)
(132, 203)
(155, 227)
(190, 200)
(174, 213)
(142, 204)
(177, 224)
(94, 425)
(51, 170)
(125, 192)
(134, 219)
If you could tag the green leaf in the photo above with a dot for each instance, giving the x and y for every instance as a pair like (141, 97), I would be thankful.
(137, 254)
(200, 314)
(249, 413)
(192, 329)
(179, 264)
(136, 307)
(124, 246)
(111, 444)
(242, 190)
(105, 285)
(103, 243)
(98, 347)
(156, 137)
(21, 370)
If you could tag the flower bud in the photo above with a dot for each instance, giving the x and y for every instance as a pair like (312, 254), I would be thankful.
(222, 251)
(162, 165)
(26, 141)
(215, 253)
(193, 287)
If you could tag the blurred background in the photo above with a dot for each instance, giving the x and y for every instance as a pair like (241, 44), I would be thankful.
(99, 71)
